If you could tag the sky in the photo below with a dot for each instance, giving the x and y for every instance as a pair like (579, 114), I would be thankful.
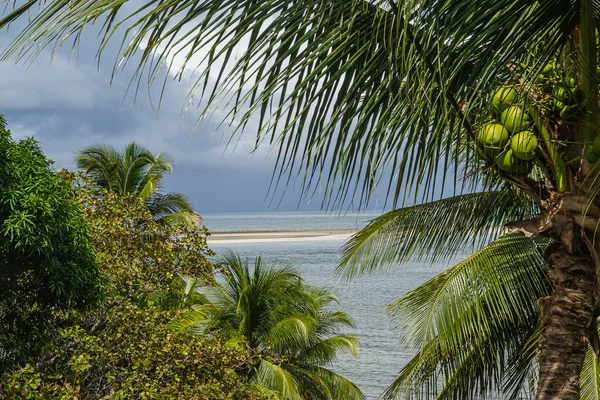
(68, 103)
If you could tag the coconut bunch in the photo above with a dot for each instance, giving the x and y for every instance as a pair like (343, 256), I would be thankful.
(564, 99)
(565, 95)
(509, 137)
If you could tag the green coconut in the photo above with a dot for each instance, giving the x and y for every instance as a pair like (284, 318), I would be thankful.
(561, 94)
(506, 161)
(571, 81)
(590, 154)
(596, 145)
(524, 145)
(493, 136)
(559, 105)
(549, 68)
(515, 119)
(567, 111)
(504, 98)
(522, 168)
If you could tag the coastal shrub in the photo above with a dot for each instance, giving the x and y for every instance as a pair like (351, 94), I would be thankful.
(121, 348)
(47, 261)
(134, 356)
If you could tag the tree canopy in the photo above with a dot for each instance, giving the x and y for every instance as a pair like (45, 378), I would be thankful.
(136, 171)
(291, 329)
(47, 261)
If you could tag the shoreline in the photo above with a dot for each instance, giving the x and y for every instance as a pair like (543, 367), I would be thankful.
(279, 236)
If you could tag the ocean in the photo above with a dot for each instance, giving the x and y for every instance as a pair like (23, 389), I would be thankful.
(382, 355)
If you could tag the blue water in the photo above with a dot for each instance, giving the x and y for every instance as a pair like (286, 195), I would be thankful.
(284, 221)
(382, 356)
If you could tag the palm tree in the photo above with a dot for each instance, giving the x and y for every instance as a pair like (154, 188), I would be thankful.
(290, 328)
(358, 94)
(475, 326)
(136, 171)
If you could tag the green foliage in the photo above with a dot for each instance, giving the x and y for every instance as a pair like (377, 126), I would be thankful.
(138, 254)
(134, 356)
(47, 261)
(472, 322)
(122, 349)
(433, 231)
(343, 88)
(137, 172)
(291, 328)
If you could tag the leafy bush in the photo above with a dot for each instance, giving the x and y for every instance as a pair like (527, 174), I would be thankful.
(121, 348)
(47, 261)
(133, 356)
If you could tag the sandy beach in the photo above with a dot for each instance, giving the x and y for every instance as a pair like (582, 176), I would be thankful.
(279, 236)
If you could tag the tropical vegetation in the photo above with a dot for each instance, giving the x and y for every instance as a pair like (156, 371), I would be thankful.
(362, 94)
(290, 329)
(100, 299)
(81, 268)
(134, 170)
(47, 261)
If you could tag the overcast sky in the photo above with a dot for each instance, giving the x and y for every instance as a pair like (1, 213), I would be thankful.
(70, 104)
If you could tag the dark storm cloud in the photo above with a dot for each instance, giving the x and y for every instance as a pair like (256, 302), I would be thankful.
(70, 105)
(74, 103)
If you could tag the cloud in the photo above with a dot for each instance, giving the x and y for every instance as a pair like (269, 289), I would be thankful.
(70, 105)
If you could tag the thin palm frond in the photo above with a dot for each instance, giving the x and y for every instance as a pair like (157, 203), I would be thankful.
(432, 231)
(161, 205)
(277, 378)
(590, 377)
(347, 90)
(101, 162)
(325, 351)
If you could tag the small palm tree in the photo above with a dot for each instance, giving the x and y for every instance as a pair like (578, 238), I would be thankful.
(289, 327)
(136, 171)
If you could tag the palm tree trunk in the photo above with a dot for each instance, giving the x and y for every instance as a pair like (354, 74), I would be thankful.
(564, 319)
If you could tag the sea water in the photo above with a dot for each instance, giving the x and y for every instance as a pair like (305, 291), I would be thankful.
(382, 354)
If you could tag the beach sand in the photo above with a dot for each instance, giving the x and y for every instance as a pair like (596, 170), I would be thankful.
(279, 236)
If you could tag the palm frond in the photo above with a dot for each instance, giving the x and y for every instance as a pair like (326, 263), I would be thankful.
(101, 162)
(151, 180)
(340, 387)
(590, 377)
(325, 351)
(161, 205)
(471, 319)
(432, 230)
(277, 378)
(344, 88)
(291, 332)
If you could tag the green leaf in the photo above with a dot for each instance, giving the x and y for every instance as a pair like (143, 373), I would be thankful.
(432, 231)
(471, 319)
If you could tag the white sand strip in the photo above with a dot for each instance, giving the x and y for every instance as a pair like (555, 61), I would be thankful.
(271, 237)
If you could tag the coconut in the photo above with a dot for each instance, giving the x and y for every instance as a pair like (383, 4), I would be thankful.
(524, 145)
(561, 94)
(515, 119)
(590, 154)
(522, 168)
(506, 161)
(549, 68)
(596, 145)
(493, 136)
(559, 105)
(567, 111)
(504, 98)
